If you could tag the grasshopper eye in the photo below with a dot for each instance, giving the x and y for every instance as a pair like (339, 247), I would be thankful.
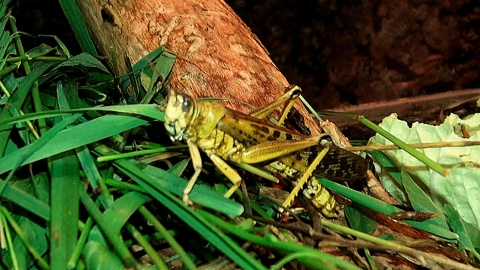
(186, 104)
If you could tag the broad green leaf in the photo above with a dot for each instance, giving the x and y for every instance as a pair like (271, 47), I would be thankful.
(83, 59)
(360, 221)
(420, 201)
(99, 255)
(459, 226)
(121, 210)
(461, 188)
(40, 50)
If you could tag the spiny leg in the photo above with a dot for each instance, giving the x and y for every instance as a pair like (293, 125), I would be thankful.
(305, 176)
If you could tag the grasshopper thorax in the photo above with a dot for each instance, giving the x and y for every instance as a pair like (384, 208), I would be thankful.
(178, 115)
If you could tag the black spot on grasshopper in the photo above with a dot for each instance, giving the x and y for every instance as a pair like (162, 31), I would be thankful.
(297, 121)
(263, 129)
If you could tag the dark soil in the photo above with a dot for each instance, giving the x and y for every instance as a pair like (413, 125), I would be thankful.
(351, 52)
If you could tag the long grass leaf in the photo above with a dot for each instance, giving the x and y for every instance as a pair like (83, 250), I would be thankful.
(82, 240)
(387, 209)
(122, 209)
(75, 18)
(65, 185)
(17, 158)
(104, 224)
(18, 97)
(199, 195)
(26, 201)
(101, 256)
(143, 110)
(74, 137)
(187, 261)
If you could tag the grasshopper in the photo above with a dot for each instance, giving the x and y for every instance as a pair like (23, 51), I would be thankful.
(228, 135)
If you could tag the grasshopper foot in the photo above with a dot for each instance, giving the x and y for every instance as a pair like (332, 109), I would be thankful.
(186, 200)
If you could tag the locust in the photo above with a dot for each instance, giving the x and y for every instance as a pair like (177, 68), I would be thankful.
(228, 135)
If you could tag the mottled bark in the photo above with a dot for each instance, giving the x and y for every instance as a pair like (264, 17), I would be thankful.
(218, 55)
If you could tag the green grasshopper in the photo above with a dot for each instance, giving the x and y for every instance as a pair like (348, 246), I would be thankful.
(227, 135)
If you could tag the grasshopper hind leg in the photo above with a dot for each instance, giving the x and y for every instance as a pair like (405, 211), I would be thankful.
(305, 177)
(321, 198)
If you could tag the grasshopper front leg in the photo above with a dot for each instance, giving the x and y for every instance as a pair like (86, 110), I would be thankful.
(228, 171)
(197, 166)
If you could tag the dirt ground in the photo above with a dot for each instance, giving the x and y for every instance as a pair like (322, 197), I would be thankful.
(352, 52)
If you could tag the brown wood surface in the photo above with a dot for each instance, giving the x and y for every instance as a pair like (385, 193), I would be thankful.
(218, 55)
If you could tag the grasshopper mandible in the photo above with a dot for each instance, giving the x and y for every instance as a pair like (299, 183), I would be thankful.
(228, 135)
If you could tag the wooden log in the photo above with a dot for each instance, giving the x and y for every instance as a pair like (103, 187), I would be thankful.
(218, 55)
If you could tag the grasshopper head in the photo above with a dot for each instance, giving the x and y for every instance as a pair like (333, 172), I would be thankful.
(178, 115)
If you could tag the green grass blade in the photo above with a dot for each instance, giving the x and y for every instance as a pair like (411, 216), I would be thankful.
(82, 240)
(199, 195)
(75, 18)
(65, 185)
(104, 225)
(17, 158)
(187, 262)
(18, 97)
(122, 209)
(99, 255)
(145, 110)
(151, 252)
(74, 137)
(9, 239)
(459, 226)
(387, 209)
(24, 238)
(26, 201)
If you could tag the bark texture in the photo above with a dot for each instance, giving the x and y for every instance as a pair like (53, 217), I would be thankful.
(218, 55)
